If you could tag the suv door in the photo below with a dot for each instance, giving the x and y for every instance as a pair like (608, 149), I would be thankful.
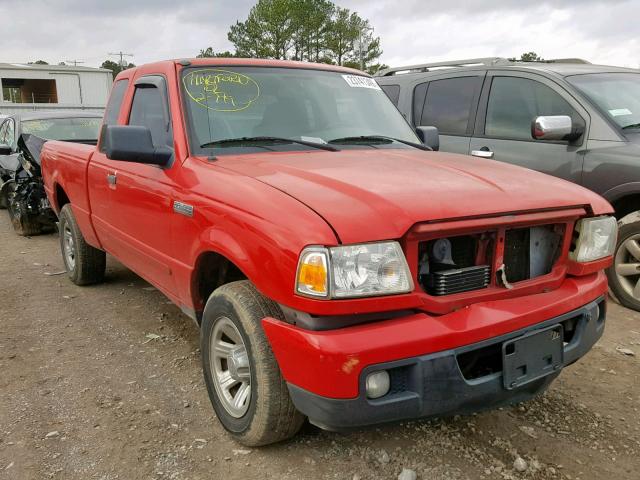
(449, 103)
(510, 102)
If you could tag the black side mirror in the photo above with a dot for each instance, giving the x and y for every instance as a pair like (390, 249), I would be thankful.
(5, 150)
(429, 136)
(132, 143)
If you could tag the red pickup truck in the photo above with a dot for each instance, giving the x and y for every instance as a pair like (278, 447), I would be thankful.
(338, 269)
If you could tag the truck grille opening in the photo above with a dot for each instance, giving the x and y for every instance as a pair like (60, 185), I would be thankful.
(456, 264)
(531, 252)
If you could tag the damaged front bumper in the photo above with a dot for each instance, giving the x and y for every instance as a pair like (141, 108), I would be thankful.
(438, 365)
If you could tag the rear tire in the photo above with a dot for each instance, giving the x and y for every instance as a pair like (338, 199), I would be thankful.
(624, 274)
(232, 323)
(86, 265)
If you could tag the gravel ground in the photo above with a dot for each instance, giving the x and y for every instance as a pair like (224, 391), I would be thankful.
(105, 383)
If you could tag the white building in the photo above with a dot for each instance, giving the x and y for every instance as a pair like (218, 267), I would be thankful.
(53, 87)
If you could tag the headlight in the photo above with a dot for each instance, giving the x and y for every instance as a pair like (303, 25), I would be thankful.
(364, 270)
(596, 239)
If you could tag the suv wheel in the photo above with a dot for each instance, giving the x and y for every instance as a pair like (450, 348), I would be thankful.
(624, 275)
(243, 380)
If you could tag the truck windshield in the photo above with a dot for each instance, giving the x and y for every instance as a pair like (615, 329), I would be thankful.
(240, 107)
(68, 129)
(617, 94)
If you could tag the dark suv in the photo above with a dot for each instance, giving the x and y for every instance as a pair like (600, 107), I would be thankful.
(567, 118)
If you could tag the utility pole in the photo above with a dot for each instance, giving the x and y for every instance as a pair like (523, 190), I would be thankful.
(75, 62)
(121, 55)
(363, 29)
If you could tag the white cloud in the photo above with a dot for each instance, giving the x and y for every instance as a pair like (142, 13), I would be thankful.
(412, 31)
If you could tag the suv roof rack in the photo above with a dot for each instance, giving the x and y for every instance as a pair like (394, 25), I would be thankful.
(424, 67)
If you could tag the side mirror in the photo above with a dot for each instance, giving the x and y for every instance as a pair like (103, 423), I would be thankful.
(556, 127)
(429, 136)
(132, 143)
(5, 150)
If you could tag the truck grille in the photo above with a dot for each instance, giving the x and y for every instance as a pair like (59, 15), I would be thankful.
(446, 282)
(456, 264)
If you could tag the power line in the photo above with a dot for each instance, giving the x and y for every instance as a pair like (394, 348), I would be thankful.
(121, 55)
(75, 62)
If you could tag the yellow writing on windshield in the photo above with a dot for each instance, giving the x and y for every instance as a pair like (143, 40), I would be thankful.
(221, 90)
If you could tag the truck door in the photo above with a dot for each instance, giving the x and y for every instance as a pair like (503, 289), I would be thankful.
(509, 103)
(449, 104)
(134, 221)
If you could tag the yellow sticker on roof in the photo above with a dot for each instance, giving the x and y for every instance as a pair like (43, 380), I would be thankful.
(221, 90)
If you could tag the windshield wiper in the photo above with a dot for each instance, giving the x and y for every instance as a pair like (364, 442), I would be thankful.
(633, 125)
(365, 138)
(227, 141)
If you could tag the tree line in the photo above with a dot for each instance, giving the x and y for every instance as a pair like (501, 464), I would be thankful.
(304, 30)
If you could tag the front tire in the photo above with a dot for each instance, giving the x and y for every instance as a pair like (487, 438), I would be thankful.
(86, 265)
(624, 274)
(245, 385)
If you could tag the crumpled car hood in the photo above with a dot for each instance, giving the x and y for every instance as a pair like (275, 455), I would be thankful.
(377, 194)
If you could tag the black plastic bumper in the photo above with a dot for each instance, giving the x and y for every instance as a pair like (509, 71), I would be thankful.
(435, 385)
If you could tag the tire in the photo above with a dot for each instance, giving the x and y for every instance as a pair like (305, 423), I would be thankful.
(24, 224)
(86, 265)
(5, 188)
(623, 279)
(268, 415)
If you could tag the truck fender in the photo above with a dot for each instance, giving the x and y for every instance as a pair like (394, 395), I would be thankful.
(620, 191)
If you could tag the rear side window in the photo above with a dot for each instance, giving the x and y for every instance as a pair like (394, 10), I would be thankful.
(449, 103)
(6, 133)
(515, 102)
(148, 110)
(115, 102)
(393, 92)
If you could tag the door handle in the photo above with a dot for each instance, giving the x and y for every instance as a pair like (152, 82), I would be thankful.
(112, 178)
(484, 152)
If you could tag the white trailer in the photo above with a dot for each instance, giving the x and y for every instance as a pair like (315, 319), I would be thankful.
(53, 87)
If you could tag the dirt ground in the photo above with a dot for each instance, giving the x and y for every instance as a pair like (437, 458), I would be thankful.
(105, 383)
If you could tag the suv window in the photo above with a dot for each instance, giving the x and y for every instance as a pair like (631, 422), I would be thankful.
(148, 110)
(115, 102)
(448, 104)
(393, 92)
(514, 103)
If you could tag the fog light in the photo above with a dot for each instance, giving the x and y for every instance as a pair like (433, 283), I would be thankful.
(377, 384)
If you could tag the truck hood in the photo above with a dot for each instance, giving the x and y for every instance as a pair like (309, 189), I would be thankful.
(379, 194)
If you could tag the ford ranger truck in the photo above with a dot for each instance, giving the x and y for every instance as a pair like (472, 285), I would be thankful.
(338, 269)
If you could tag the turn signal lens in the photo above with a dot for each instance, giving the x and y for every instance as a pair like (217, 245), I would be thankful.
(312, 273)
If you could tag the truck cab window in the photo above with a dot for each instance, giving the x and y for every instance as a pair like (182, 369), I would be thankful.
(393, 92)
(115, 102)
(148, 110)
(514, 103)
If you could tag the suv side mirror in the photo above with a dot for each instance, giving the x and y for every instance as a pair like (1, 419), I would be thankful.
(5, 150)
(556, 127)
(132, 143)
(429, 136)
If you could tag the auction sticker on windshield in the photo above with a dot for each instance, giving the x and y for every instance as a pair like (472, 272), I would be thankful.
(357, 81)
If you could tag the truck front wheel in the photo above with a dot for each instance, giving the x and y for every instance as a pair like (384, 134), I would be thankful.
(85, 264)
(245, 385)
(624, 274)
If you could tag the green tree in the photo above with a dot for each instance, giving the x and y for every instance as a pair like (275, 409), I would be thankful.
(307, 30)
(530, 57)
(268, 31)
(116, 68)
(209, 53)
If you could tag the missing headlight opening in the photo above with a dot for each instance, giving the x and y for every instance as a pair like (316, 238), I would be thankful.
(464, 263)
